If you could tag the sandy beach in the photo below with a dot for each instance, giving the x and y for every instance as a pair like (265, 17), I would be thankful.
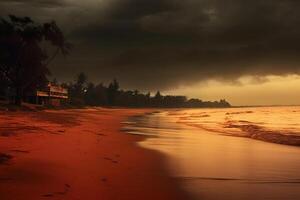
(78, 154)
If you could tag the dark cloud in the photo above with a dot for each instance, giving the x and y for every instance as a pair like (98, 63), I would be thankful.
(165, 43)
(38, 3)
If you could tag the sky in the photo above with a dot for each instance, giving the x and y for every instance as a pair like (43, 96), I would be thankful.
(243, 50)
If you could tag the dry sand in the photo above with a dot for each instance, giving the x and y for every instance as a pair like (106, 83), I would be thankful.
(78, 154)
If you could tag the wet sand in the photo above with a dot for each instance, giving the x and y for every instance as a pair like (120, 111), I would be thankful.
(78, 154)
(214, 166)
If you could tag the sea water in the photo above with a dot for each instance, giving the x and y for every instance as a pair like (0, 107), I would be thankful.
(234, 153)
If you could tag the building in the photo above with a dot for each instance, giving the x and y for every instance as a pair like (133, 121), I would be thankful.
(52, 95)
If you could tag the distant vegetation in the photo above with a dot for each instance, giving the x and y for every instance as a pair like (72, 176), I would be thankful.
(81, 92)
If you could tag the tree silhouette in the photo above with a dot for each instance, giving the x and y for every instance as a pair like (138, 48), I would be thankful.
(23, 62)
(81, 79)
(112, 92)
(82, 93)
(78, 89)
(157, 100)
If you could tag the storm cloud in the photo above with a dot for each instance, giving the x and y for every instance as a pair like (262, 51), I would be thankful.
(161, 44)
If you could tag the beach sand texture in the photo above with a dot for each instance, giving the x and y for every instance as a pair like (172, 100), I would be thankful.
(78, 154)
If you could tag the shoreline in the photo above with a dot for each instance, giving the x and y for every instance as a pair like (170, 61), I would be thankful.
(79, 154)
(216, 166)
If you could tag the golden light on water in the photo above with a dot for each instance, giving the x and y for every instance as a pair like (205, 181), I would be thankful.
(214, 165)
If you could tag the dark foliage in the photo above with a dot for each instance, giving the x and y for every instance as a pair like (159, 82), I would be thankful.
(83, 93)
(23, 62)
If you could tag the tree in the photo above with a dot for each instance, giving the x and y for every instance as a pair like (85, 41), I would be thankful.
(158, 95)
(78, 89)
(81, 79)
(54, 81)
(23, 62)
(90, 96)
(157, 100)
(101, 94)
(112, 92)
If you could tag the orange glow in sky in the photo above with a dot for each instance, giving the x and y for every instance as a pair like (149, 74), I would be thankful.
(270, 90)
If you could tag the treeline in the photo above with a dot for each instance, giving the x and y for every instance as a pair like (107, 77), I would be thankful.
(81, 93)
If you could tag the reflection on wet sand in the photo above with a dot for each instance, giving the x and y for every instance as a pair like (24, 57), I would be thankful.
(212, 164)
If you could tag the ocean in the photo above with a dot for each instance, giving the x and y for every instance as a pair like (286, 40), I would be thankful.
(233, 153)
